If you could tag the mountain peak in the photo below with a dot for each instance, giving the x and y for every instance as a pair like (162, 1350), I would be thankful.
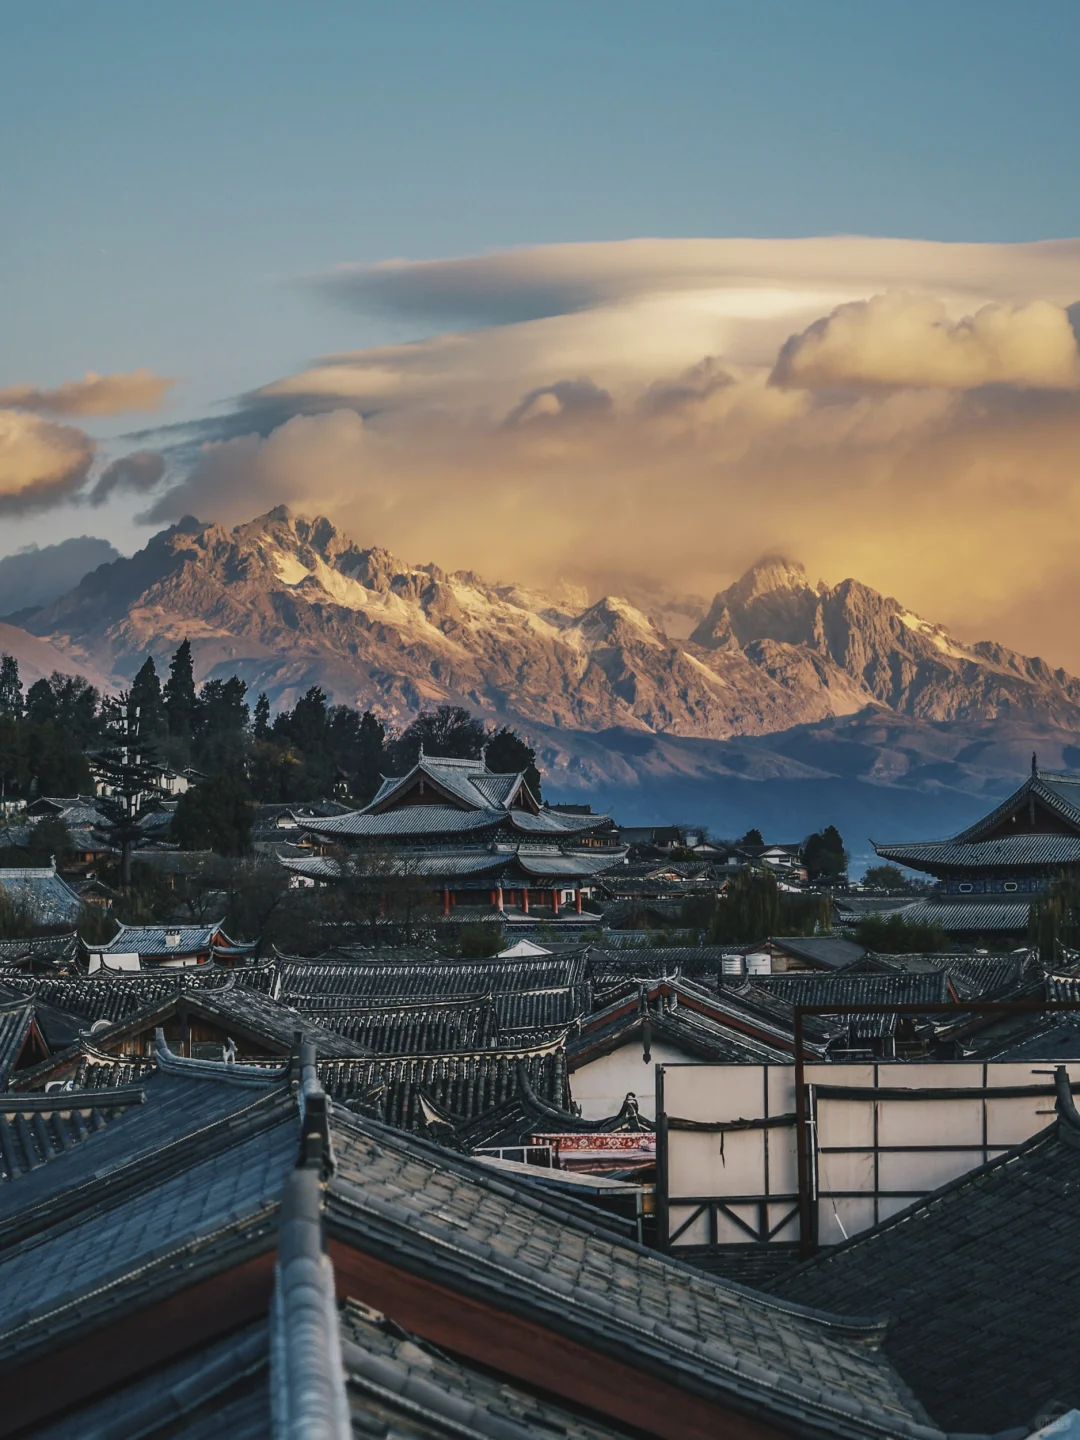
(768, 574)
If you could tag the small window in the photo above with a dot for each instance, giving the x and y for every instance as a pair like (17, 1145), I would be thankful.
(1011, 885)
(965, 887)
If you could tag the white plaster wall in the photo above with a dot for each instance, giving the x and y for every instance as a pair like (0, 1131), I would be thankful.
(601, 1086)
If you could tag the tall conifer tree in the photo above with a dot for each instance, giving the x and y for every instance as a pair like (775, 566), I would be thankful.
(179, 694)
(11, 692)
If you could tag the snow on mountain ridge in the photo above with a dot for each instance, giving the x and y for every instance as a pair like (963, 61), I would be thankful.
(287, 601)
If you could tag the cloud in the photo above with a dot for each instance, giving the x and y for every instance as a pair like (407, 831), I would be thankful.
(92, 395)
(948, 479)
(538, 282)
(903, 340)
(321, 457)
(136, 472)
(41, 463)
(565, 401)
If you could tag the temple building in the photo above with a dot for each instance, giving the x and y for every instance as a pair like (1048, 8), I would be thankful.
(476, 839)
(989, 874)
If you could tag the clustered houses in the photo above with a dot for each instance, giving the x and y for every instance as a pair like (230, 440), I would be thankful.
(478, 840)
(283, 1231)
(584, 1187)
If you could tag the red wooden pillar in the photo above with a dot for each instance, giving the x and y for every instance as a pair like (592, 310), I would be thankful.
(525, 901)
(555, 902)
(577, 900)
(446, 900)
(499, 899)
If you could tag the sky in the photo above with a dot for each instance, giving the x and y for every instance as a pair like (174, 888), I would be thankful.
(619, 294)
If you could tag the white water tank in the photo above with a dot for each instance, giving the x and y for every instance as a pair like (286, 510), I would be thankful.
(760, 963)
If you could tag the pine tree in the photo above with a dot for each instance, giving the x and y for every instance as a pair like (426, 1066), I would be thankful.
(262, 718)
(179, 694)
(146, 697)
(11, 697)
(368, 774)
(128, 767)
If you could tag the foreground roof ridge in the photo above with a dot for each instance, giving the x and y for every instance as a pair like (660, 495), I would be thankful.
(307, 1385)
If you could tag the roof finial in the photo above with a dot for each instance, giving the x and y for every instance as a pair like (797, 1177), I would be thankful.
(483, 754)
(421, 755)
(1034, 764)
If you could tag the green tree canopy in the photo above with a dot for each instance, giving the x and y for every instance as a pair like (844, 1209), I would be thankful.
(214, 815)
(886, 877)
(753, 907)
(824, 855)
(507, 754)
(448, 731)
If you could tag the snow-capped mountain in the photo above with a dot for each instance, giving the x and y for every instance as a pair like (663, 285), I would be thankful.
(781, 681)
(287, 602)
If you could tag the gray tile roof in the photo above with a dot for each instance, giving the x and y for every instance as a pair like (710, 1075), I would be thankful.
(826, 952)
(103, 996)
(845, 987)
(86, 1258)
(152, 939)
(104, 1223)
(413, 820)
(161, 1110)
(1012, 852)
(455, 1223)
(411, 1092)
(396, 1380)
(304, 983)
(980, 1279)
(1055, 1038)
(35, 1129)
(257, 1022)
(975, 917)
(973, 977)
(16, 1021)
(47, 899)
(427, 1029)
(39, 949)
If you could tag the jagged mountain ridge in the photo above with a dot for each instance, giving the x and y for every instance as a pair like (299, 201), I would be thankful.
(287, 601)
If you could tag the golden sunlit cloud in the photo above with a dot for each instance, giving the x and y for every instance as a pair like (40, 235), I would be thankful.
(92, 395)
(904, 340)
(40, 462)
(612, 419)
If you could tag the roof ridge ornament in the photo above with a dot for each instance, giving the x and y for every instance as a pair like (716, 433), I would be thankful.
(1034, 765)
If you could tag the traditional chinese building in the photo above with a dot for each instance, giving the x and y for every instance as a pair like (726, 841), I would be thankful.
(989, 874)
(478, 839)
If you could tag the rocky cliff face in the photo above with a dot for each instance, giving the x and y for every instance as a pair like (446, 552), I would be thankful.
(287, 602)
(885, 653)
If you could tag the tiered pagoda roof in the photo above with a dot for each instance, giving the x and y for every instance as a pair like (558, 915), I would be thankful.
(1037, 829)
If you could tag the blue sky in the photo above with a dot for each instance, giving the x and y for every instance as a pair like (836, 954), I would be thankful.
(169, 168)
(174, 176)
